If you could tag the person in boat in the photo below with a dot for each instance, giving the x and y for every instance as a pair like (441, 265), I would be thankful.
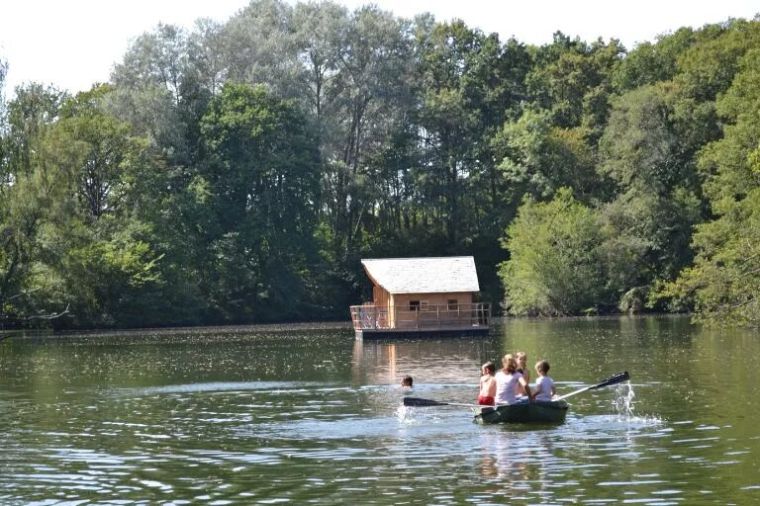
(522, 367)
(507, 381)
(544, 384)
(487, 395)
(407, 382)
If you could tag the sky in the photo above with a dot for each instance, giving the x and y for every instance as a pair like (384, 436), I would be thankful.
(75, 43)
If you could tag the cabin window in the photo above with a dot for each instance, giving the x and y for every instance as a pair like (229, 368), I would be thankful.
(453, 304)
(414, 305)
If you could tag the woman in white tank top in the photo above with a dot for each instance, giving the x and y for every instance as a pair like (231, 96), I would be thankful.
(507, 381)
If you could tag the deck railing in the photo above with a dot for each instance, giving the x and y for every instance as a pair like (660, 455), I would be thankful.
(433, 316)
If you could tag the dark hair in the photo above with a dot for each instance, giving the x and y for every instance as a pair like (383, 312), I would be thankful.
(490, 367)
(407, 381)
(542, 366)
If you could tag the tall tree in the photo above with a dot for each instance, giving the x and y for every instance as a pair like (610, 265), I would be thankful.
(573, 80)
(26, 195)
(464, 101)
(160, 90)
(707, 67)
(648, 149)
(370, 94)
(320, 31)
(95, 254)
(724, 281)
(649, 63)
(260, 47)
(261, 173)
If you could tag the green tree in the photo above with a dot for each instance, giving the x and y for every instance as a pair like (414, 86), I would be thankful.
(648, 150)
(26, 198)
(4, 161)
(728, 164)
(537, 158)
(94, 252)
(467, 87)
(724, 281)
(33, 107)
(646, 241)
(556, 266)
(371, 96)
(652, 136)
(162, 87)
(261, 175)
(650, 63)
(23, 208)
(723, 284)
(3, 73)
(707, 67)
(320, 31)
(259, 46)
(573, 80)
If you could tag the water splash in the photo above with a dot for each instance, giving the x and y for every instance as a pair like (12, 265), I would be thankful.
(405, 415)
(624, 400)
(623, 404)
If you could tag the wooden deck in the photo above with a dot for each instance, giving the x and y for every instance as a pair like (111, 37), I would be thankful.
(371, 321)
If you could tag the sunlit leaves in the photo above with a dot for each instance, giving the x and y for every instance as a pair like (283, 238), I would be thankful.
(556, 266)
(724, 282)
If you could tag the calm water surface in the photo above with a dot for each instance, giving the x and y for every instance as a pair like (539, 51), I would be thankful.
(269, 415)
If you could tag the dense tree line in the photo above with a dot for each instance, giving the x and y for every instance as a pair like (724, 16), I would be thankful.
(237, 172)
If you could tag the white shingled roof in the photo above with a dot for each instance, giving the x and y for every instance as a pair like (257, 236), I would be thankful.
(423, 275)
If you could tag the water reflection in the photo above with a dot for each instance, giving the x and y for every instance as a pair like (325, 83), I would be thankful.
(430, 361)
(316, 416)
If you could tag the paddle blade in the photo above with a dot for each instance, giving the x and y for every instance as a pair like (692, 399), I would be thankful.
(416, 401)
(618, 378)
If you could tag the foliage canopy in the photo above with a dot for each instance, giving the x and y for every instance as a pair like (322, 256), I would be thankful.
(238, 171)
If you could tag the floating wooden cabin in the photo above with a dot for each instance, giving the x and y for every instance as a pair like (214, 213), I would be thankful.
(414, 297)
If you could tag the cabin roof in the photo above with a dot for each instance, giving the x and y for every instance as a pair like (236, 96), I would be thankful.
(423, 275)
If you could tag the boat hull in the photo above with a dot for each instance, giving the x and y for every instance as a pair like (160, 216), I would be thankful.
(525, 412)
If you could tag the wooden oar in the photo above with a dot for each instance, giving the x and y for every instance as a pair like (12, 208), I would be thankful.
(417, 401)
(614, 380)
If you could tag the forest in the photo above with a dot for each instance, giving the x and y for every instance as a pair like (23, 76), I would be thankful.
(237, 172)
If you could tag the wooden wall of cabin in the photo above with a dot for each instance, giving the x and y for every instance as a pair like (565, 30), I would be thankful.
(382, 301)
(403, 316)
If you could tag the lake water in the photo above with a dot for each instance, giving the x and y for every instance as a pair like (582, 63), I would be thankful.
(273, 415)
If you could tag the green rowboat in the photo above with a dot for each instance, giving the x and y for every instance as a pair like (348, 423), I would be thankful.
(525, 412)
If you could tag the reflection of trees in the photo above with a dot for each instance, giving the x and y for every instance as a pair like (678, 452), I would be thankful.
(718, 373)
(589, 349)
(172, 357)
